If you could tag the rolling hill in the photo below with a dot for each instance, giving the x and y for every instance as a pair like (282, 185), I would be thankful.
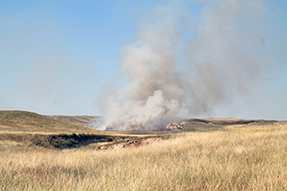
(29, 122)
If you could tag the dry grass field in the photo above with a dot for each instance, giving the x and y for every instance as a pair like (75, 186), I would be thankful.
(244, 157)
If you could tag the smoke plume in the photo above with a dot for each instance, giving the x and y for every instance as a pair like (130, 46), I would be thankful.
(188, 64)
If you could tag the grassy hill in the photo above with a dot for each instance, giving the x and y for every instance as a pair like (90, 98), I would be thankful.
(29, 122)
(77, 120)
(23, 121)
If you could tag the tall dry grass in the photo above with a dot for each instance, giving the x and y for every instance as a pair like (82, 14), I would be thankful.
(253, 158)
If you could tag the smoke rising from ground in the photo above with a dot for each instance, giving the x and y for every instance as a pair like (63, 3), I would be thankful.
(224, 57)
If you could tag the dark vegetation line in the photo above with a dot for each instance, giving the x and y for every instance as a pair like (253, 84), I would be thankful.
(65, 141)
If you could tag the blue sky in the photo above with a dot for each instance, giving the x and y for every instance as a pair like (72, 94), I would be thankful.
(56, 57)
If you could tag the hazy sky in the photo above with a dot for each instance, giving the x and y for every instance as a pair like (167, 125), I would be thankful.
(56, 57)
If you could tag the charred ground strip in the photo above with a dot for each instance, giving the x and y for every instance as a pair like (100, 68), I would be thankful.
(75, 141)
(70, 141)
(66, 141)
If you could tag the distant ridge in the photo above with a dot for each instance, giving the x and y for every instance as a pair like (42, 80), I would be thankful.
(24, 121)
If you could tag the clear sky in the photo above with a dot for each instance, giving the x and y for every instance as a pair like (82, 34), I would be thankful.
(56, 57)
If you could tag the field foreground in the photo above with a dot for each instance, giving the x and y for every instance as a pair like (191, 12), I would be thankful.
(250, 157)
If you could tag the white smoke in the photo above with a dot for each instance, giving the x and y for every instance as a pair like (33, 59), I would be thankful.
(224, 57)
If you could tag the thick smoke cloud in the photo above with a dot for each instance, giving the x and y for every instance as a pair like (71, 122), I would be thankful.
(226, 54)
(224, 58)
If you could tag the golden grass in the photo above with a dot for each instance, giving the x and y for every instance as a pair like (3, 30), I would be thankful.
(246, 158)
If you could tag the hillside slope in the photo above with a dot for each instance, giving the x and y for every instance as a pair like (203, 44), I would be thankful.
(23, 121)
(77, 120)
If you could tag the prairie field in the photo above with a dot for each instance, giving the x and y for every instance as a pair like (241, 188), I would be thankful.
(245, 157)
